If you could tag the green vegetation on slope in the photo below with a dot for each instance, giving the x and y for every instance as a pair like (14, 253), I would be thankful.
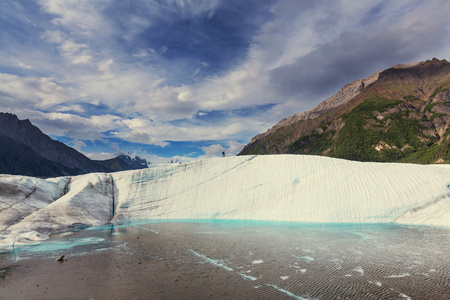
(355, 140)
(312, 144)
(393, 136)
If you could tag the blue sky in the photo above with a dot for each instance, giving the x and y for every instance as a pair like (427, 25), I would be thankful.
(190, 79)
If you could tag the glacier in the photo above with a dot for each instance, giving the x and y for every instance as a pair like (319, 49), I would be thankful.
(292, 188)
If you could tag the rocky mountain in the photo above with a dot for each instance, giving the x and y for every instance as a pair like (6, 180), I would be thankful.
(174, 161)
(62, 159)
(124, 162)
(25, 150)
(135, 162)
(401, 114)
(19, 159)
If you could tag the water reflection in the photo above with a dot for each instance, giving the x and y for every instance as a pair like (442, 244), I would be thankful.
(273, 260)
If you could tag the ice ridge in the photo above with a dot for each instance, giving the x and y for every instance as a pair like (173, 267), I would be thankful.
(293, 188)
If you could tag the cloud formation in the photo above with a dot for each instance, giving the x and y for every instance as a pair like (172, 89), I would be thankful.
(190, 78)
(381, 45)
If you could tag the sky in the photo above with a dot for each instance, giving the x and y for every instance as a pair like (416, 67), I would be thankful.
(186, 79)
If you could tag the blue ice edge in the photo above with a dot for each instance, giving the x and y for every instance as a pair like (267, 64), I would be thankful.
(251, 223)
(55, 244)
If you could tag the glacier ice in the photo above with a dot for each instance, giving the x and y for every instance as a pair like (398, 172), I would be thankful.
(293, 188)
(87, 202)
(21, 196)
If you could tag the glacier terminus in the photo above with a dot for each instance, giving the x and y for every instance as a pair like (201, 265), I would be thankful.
(293, 188)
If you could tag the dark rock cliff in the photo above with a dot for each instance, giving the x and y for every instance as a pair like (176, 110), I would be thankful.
(25, 133)
(26, 150)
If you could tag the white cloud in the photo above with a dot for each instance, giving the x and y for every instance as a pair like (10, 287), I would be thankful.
(76, 53)
(129, 89)
(77, 144)
(80, 16)
(195, 72)
(81, 59)
(213, 150)
(71, 47)
(232, 148)
(104, 66)
(53, 36)
(66, 124)
(76, 107)
(367, 39)
(137, 130)
(163, 49)
(93, 67)
(25, 66)
(141, 53)
(135, 25)
(40, 92)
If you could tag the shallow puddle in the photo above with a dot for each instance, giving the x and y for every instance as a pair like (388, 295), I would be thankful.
(238, 260)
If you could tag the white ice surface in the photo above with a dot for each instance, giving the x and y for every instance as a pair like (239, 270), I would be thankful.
(281, 188)
(87, 202)
(276, 188)
(21, 196)
(431, 213)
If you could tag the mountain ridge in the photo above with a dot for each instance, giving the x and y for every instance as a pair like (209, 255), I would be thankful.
(413, 95)
(19, 159)
(26, 150)
(123, 162)
(25, 133)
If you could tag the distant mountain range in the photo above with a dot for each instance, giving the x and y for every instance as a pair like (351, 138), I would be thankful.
(124, 162)
(25, 150)
(401, 114)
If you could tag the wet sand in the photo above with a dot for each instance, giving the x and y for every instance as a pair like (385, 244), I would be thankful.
(223, 261)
